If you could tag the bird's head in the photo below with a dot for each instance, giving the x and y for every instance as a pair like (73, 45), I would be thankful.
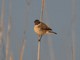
(36, 22)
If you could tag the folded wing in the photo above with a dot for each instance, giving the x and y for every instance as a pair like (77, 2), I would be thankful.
(43, 26)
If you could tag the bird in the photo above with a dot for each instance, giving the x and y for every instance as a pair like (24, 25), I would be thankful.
(41, 28)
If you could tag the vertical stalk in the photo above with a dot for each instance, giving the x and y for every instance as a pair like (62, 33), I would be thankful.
(11, 56)
(2, 21)
(22, 49)
(2, 27)
(8, 33)
(42, 9)
(8, 39)
(73, 29)
(39, 37)
(38, 56)
(39, 41)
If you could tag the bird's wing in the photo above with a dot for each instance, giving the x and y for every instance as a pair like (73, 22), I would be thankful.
(44, 26)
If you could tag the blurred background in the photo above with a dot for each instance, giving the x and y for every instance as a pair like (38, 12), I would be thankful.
(18, 39)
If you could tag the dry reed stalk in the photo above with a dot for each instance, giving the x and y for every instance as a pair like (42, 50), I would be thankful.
(73, 43)
(8, 33)
(73, 29)
(42, 10)
(11, 56)
(38, 55)
(39, 38)
(2, 20)
(2, 27)
(22, 48)
(8, 38)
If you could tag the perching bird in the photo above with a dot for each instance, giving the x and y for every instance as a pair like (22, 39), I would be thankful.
(41, 28)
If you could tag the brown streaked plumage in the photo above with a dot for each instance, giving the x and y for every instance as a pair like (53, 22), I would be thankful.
(41, 28)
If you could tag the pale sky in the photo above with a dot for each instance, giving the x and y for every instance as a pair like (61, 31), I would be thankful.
(57, 14)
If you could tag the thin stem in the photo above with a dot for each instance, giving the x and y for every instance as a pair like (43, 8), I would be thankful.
(11, 56)
(42, 10)
(74, 29)
(2, 28)
(23, 47)
(8, 33)
(38, 57)
(39, 40)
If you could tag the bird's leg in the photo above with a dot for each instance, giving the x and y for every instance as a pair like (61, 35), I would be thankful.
(39, 37)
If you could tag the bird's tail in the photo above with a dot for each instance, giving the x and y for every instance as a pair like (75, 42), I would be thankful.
(54, 32)
(50, 31)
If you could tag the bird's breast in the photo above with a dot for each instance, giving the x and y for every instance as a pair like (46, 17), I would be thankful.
(38, 30)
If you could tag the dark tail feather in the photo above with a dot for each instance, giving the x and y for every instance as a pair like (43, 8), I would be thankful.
(54, 32)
